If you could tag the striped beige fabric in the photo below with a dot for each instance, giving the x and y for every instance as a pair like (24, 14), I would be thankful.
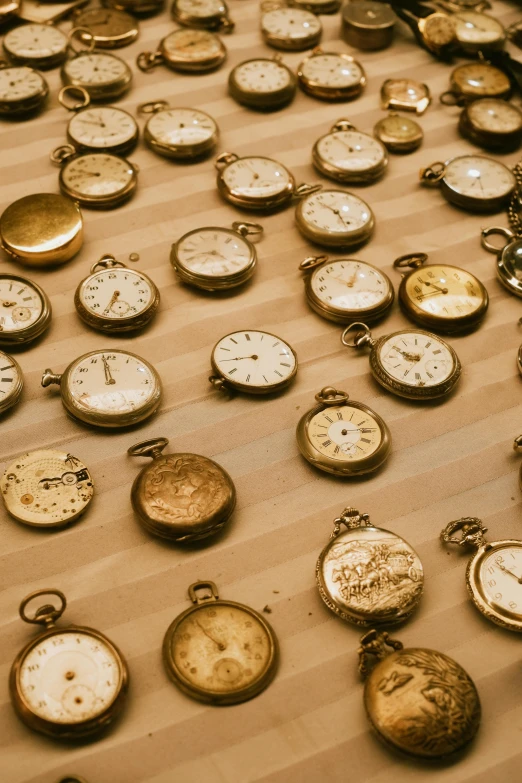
(449, 459)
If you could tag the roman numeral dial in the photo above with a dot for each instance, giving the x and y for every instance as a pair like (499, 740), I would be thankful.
(345, 433)
(254, 361)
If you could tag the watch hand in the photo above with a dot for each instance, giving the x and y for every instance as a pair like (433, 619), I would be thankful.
(507, 571)
(114, 298)
(432, 293)
(427, 282)
(99, 124)
(8, 304)
(220, 645)
(109, 380)
(336, 212)
(240, 357)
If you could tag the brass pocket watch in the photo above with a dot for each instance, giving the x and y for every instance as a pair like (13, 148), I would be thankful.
(478, 33)
(440, 296)
(410, 363)
(476, 80)
(40, 46)
(335, 218)
(331, 76)
(215, 258)
(290, 29)
(400, 135)
(181, 497)
(494, 573)
(41, 230)
(256, 182)
(368, 25)
(98, 180)
(114, 298)
(367, 575)
(69, 682)
(187, 51)
(23, 91)
(104, 76)
(405, 95)
(11, 382)
(509, 257)
(220, 652)
(471, 182)
(348, 155)
(110, 29)
(341, 289)
(262, 83)
(492, 123)
(418, 701)
(25, 310)
(46, 488)
(267, 364)
(178, 133)
(112, 388)
(206, 14)
(342, 436)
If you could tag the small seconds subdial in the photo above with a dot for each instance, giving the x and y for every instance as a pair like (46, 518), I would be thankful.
(117, 294)
(214, 252)
(254, 360)
(21, 305)
(345, 433)
(103, 128)
(416, 359)
(501, 578)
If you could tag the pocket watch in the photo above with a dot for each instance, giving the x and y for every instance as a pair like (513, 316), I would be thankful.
(133, 395)
(317, 6)
(215, 258)
(434, 30)
(188, 51)
(410, 363)
(104, 76)
(476, 32)
(262, 83)
(494, 573)
(440, 296)
(220, 652)
(476, 80)
(98, 180)
(335, 218)
(23, 91)
(25, 310)
(269, 364)
(67, 682)
(182, 134)
(509, 257)
(181, 497)
(342, 436)
(399, 135)
(43, 229)
(139, 8)
(46, 488)
(472, 182)
(110, 29)
(206, 14)
(492, 123)
(292, 29)
(405, 95)
(368, 25)
(331, 76)
(418, 701)
(341, 289)
(256, 182)
(97, 128)
(39, 46)
(114, 298)
(348, 155)
(11, 381)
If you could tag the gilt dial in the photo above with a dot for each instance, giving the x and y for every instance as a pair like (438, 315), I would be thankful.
(21, 305)
(446, 292)
(416, 359)
(501, 578)
(97, 175)
(350, 285)
(256, 178)
(479, 178)
(213, 252)
(344, 433)
(346, 153)
(290, 27)
(116, 293)
(181, 128)
(331, 70)
(254, 359)
(34, 42)
(102, 128)
(95, 69)
(20, 84)
(481, 80)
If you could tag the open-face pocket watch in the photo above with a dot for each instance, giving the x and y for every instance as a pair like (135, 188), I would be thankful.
(342, 436)
(69, 682)
(112, 388)
(97, 128)
(418, 701)
(178, 133)
(11, 382)
(206, 14)
(367, 575)
(399, 135)
(472, 182)
(478, 33)
(405, 95)
(110, 29)
(348, 155)
(181, 497)
(23, 91)
(331, 76)
(98, 180)
(215, 258)
(492, 123)
(104, 76)
(39, 46)
(220, 652)
(335, 218)
(292, 29)
(46, 488)
(187, 51)
(494, 573)
(509, 257)
(410, 363)
(341, 289)
(114, 298)
(25, 310)
(476, 80)
(440, 296)
(267, 364)
(264, 83)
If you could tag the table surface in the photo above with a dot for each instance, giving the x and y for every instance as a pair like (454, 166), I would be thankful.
(449, 460)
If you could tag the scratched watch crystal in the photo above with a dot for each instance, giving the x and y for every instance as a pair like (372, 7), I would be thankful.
(335, 218)
(103, 128)
(36, 45)
(25, 310)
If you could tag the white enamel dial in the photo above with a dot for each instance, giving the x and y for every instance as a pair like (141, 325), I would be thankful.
(97, 174)
(501, 578)
(95, 69)
(215, 253)
(100, 127)
(349, 285)
(178, 127)
(192, 45)
(70, 677)
(35, 41)
(336, 212)
(10, 379)
(473, 27)
(293, 24)
(350, 150)
(20, 304)
(256, 177)
(331, 70)
(416, 359)
(116, 293)
(253, 358)
(479, 177)
(495, 116)
(18, 84)
(201, 8)
(344, 433)
(261, 76)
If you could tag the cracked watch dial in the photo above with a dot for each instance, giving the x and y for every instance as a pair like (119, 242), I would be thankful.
(345, 433)
(102, 128)
(116, 294)
(335, 217)
(416, 359)
(96, 177)
(214, 252)
(290, 28)
(254, 361)
(35, 43)
(182, 129)
(478, 179)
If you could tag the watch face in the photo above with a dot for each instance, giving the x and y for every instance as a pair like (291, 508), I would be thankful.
(35, 41)
(291, 24)
(350, 285)
(494, 116)
(472, 27)
(332, 70)
(405, 90)
(480, 79)
(501, 578)
(444, 291)
(21, 305)
(19, 84)
(181, 127)
(439, 29)
(256, 178)
(261, 76)
(336, 212)
(398, 129)
(106, 23)
(416, 359)
(116, 293)
(478, 177)
(255, 359)
(351, 151)
(10, 381)
(97, 175)
(192, 46)
(344, 433)
(99, 127)
(213, 252)
(95, 68)
(200, 8)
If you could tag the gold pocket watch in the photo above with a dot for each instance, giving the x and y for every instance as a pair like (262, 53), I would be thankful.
(492, 123)
(331, 76)
(400, 135)
(98, 180)
(104, 76)
(214, 258)
(317, 6)
(178, 133)
(341, 289)
(114, 298)
(187, 51)
(509, 257)
(205, 14)
(368, 25)
(494, 573)
(46, 488)
(256, 182)
(109, 29)
(97, 128)
(262, 83)
(41, 230)
(335, 218)
(405, 95)
(410, 363)
(342, 436)
(23, 91)
(418, 701)
(478, 33)
(290, 29)
(11, 382)
(220, 652)
(367, 575)
(111, 388)
(69, 682)
(348, 155)
(476, 80)
(267, 364)
(181, 497)
(40, 46)
(440, 296)
(25, 310)
(472, 182)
